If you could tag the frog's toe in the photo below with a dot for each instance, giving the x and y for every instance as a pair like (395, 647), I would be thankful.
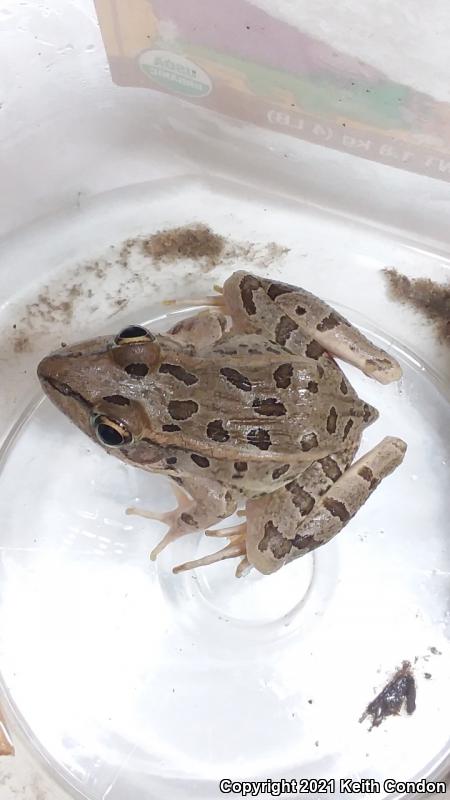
(175, 532)
(243, 568)
(236, 534)
(228, 533)
(235, 548)
(180, 521)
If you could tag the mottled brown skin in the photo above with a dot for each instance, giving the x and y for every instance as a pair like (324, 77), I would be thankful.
(258, 412)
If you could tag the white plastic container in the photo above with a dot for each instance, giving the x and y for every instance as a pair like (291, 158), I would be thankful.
(119, 679)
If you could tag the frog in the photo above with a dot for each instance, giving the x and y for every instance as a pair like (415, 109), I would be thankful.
(244, 407)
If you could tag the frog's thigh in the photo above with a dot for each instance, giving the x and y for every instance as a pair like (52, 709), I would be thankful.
(290, 523)
(202, 329)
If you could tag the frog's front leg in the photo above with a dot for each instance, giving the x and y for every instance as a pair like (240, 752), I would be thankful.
(200, 330)
(291, 522)
(200, 504)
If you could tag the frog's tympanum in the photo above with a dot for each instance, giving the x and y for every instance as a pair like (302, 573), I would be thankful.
(242, 403)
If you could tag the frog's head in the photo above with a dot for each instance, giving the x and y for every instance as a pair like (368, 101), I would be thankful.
(99, 384)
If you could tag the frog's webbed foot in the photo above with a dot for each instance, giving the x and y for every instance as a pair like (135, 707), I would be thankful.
(179, 520)
(235, 548)
(200, 503)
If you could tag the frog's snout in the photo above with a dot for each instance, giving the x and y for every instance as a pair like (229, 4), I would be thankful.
(55, 378)
(44, 369)
(51, 370)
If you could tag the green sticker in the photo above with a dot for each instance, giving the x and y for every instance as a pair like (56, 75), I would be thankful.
(176, 73)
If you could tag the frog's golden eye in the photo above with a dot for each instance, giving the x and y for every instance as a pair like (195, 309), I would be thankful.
(110, 432)
(134, 334)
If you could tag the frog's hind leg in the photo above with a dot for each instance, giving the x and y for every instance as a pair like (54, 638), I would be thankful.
(297, 519)
(315, 481)
(200, 504)
(303, 324)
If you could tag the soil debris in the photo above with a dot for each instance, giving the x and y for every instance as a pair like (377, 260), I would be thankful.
(400, 690)
(22, 344)
(199, 243)
(424, 295)
(195, 242)
(105, 287)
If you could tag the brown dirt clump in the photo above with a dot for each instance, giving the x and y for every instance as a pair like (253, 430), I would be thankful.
(399, 691)
(424, 295)
(190, 241)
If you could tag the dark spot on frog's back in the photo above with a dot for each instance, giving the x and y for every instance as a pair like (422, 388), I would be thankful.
(330, 322)
(279, 472)
(344, 387)
(240, 468)
(348, 426)
(314, 350)
(370, 414)
(301, 499)
(201, 461)
(269, 407)
(171, 428)
(285, 328)
(182, 409)
(282, 376)
(260, 438)
(308, 442)
(179, 373)
(275, 289)
(236, 379)
(331, 469)
(137, 370)
(332, 420)
(216, 431)
(313, 387)
(248, 285)
(117, 400)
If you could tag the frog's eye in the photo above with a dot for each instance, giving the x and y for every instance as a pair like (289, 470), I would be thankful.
(110, 432)
(134, 334)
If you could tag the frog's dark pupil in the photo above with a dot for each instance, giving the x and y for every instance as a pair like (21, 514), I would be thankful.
(133, 332)
(109, 436)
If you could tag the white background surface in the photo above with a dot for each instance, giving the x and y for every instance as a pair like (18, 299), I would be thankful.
(67, 133)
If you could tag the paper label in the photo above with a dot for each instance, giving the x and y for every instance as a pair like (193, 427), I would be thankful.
(236, 59)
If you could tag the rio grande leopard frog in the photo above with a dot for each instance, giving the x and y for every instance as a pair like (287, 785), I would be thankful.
(242, 403)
